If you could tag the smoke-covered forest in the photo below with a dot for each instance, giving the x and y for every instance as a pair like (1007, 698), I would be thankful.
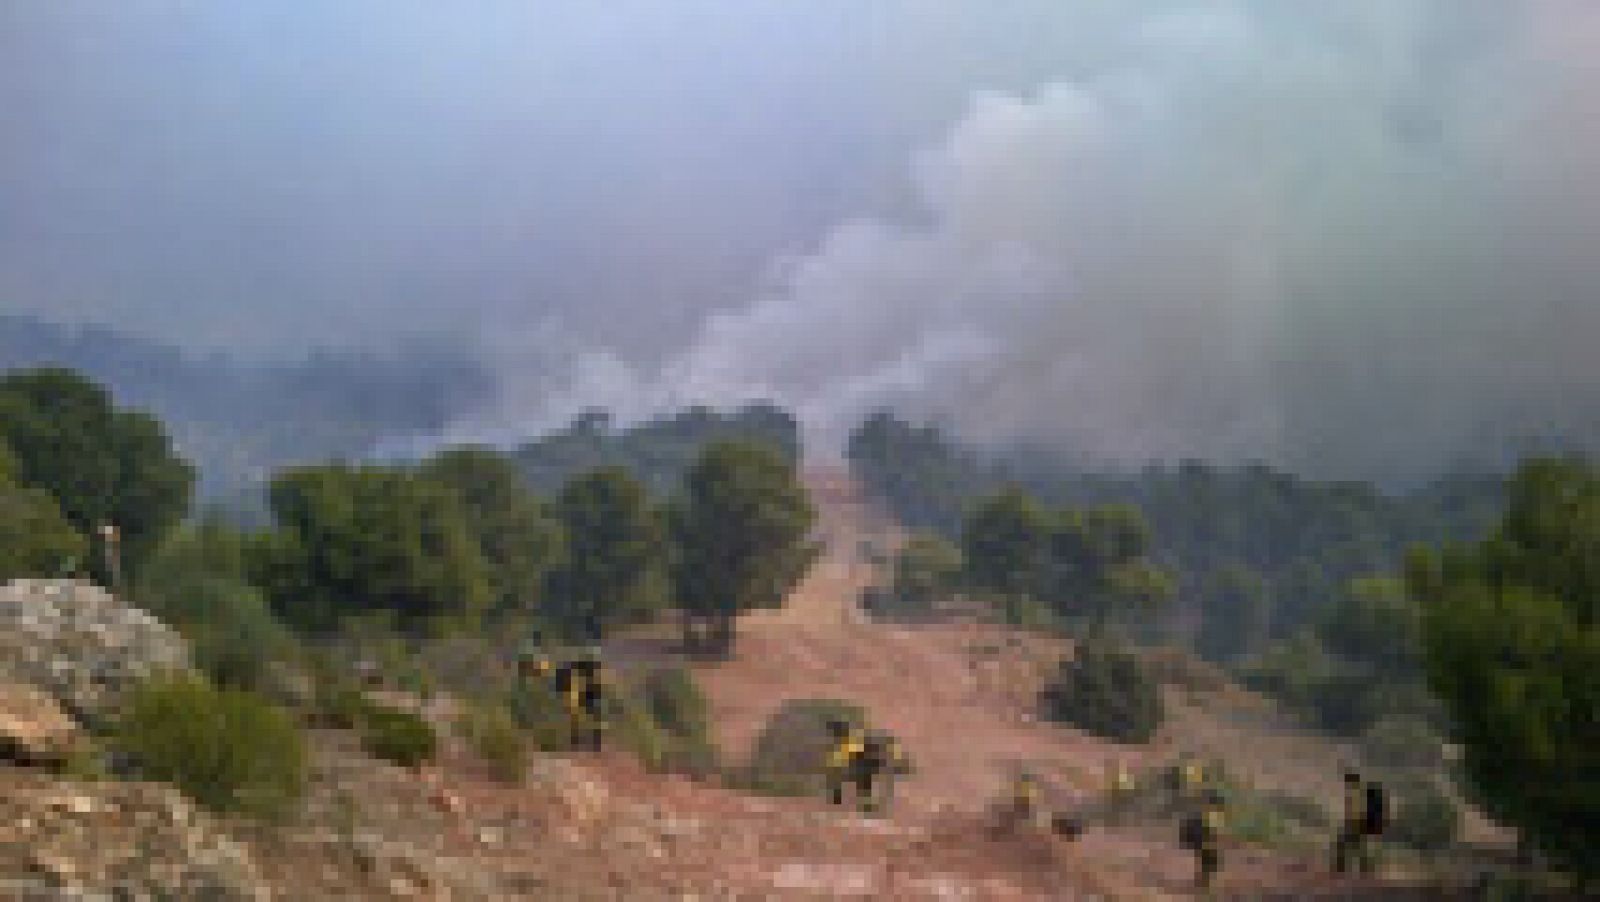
(1191, 405)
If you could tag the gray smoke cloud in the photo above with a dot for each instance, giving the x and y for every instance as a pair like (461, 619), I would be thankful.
(1354, 239)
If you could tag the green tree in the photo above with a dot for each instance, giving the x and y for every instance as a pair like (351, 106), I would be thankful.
(1105, 690)
(1005, 542)
(35, 540)
(1094, 566)
(196, 582)
(1377, 625)
(739, 528)
(615, 571)
(520, 541)
(365, 539)
(1511, 628)
(925, 569)
(1234, 614)
(101, 464)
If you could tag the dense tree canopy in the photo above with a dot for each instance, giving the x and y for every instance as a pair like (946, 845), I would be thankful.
(1512, 632)
(740, 528)
(520, 541)
(101, 464)
(35, 540)
(615, 571)
(1080, 564)
(656, 452)
(1233, 615)
(196, 581)
(1302, 540)
(925, 569)
(1005, 543)
(358, 539)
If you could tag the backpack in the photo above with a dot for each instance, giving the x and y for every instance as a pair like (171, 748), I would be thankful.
(1192, 832)
(877, 750)
(1375, 816)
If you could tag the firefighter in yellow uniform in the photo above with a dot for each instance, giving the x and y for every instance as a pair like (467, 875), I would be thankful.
(582, 684)
(1023, 808)
(1201, 833)
(866, 760)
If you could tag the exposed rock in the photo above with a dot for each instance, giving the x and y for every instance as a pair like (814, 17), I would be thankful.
(115, 840)
(33, 727)
(80, 644)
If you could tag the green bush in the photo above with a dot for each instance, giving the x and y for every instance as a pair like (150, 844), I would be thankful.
(195, 582)
(677, 706)
(631, 727)
(1425, 818)
(497, 741)
(340, 706)
(227, 749)
(790, 753)
(1402, 744)
(1106, 691)
(536, 708)
(398, 736)
(1267, 817)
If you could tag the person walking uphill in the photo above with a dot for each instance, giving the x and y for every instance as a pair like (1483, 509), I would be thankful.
(1201, 833)
(1365, 817)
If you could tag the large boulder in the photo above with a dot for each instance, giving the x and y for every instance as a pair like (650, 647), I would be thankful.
(116, 840)
(81, 644)
(33, 728)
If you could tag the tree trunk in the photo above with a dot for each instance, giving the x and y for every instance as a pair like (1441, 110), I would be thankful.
(725, 636)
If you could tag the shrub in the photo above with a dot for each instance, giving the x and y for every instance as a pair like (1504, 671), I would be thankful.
(1267, 817)
(227, 749)
(1106, 691)
(340, 706)
(195, 582)
(677, 706)
(536, 708)
(1402, 744)
(496, 740)
(1425, 818)
(790, 753)
(631, 727)
(398, 736)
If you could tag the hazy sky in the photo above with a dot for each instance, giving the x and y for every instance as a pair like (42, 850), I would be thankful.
(1353, 237)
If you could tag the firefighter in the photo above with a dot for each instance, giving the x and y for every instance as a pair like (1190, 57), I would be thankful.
(868, 761)
(1364, 819)
(844, 743)
(1201, 833)
(1120, 789)
(581, 684)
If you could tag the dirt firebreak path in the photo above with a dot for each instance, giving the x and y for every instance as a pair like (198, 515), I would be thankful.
(958, 694)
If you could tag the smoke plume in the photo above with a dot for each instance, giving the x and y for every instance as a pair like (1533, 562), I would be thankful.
(1347, 238)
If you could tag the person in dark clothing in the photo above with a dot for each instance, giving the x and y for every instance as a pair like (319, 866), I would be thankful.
(1363, 819)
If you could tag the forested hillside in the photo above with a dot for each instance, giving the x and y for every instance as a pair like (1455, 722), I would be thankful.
(657, 452)
(1301, 541)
